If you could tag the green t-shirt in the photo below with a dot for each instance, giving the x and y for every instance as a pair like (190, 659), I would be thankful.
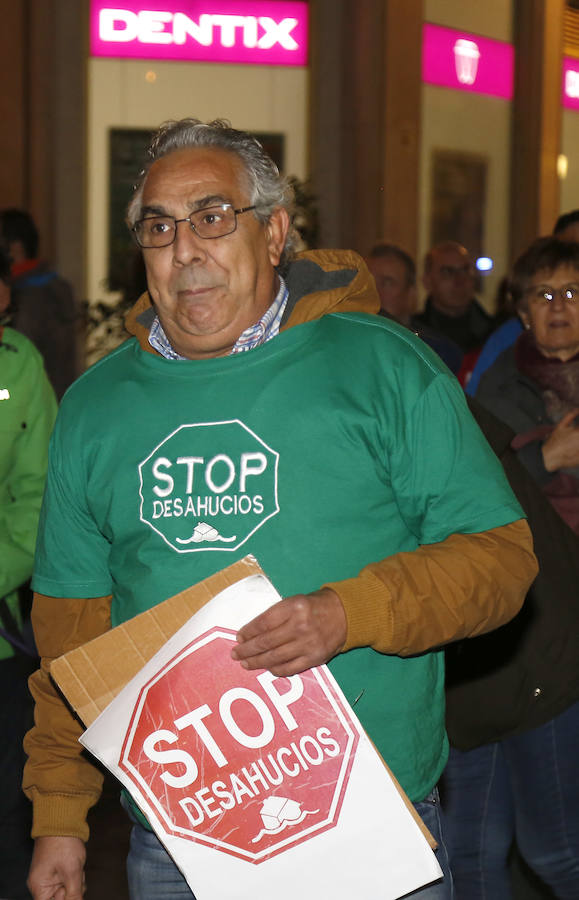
(338, 443)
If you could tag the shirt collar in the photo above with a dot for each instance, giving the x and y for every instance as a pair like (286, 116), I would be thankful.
(263, 331)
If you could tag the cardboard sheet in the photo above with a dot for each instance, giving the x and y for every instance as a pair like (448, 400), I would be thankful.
(92, 675)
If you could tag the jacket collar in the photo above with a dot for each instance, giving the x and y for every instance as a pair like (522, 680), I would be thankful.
(319, 282)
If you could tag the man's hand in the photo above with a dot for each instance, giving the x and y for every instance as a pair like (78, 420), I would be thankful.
(299, 632)
(57, 869)
(561, 449)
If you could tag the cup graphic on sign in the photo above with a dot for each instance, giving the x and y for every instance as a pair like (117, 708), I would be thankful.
(466, 57)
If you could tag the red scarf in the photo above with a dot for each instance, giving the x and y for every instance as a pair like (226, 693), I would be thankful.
(20, 268)
(558, 383)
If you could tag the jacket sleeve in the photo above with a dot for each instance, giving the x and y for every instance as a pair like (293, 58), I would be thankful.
(500, 393)
(19, 516)
(531, 457)
(463, 586)
(59, 779)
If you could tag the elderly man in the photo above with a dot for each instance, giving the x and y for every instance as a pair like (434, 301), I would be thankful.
(395, 276)
(384, 519)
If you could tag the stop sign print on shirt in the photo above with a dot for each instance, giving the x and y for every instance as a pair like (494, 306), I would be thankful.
(238, 760)
(209, 486)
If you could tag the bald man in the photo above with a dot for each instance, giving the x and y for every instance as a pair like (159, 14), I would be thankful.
(451, 308)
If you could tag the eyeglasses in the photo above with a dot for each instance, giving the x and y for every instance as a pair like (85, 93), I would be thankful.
(464, 271)
(543, 294)
(154, 232)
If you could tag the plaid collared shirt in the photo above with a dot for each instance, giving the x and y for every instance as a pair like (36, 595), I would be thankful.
(263, 331)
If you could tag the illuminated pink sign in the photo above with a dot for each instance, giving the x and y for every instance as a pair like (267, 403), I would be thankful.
(467, 62)
(570, 85)
(230, 31)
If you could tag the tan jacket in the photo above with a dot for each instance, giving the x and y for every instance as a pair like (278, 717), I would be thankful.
(405, 604)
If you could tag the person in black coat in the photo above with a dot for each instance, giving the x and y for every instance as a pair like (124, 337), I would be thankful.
(513, 716)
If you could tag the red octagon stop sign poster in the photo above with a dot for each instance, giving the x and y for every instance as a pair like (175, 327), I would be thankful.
(241, 761)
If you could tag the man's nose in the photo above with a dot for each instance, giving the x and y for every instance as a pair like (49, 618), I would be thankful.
(188, 247)
(559, 299)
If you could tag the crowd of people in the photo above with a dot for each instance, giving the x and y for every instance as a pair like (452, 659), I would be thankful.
(447, 608)
(513, 695)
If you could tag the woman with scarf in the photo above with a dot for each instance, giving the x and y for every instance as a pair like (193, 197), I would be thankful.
(513, 699)
(534, 385)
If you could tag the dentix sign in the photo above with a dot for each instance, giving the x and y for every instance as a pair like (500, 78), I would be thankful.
(225, 31)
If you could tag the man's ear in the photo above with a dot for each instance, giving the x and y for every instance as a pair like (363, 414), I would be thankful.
(276, 233)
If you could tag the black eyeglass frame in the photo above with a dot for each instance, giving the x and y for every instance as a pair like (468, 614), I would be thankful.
(223, 206)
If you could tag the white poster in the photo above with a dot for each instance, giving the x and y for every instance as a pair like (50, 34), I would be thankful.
(259, 787)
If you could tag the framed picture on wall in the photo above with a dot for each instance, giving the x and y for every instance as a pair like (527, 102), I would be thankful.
(127, 154)
(274, 145)
(459, 187)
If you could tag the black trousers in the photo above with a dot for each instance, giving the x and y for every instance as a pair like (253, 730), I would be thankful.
(16, 717)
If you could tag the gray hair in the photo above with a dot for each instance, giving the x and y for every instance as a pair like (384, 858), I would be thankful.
(268, 190)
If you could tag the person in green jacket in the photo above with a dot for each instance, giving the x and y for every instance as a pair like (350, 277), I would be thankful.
(27, 412)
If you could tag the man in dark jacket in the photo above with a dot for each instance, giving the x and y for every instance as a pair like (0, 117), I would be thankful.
(512, 705)
(451, 307)
(43, 305)
(395, 276)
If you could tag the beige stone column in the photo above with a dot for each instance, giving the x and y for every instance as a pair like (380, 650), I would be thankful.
(536, 140)
(43, 50)
(401, 122)
(365, 120)
(13, 145)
